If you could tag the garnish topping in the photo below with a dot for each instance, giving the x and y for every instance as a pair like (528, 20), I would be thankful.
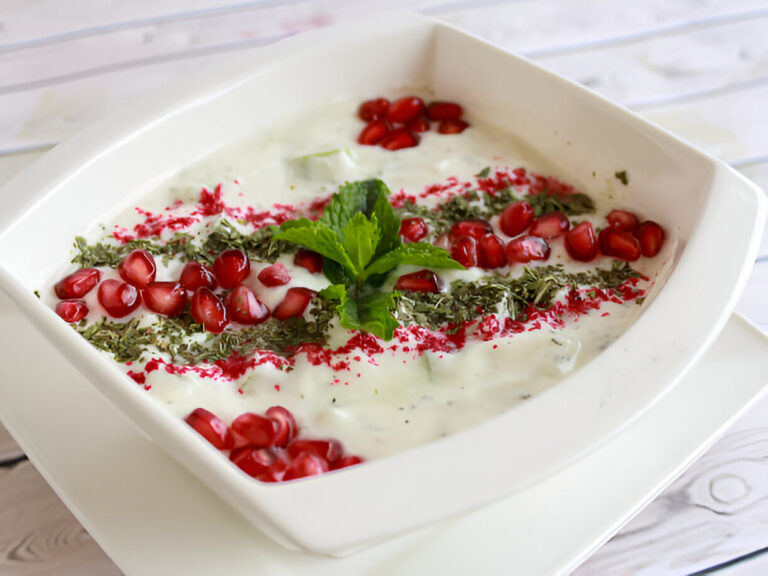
(359, 238)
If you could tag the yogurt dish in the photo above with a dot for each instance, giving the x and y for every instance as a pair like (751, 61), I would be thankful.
(497, 296)
(447, 304)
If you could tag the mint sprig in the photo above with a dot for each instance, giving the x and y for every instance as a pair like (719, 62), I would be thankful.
(358, 237)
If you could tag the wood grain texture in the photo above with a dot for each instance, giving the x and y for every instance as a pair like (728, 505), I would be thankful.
(720, 506)
(38, 535)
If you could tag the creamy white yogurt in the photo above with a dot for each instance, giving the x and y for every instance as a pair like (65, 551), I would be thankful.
(397, 399)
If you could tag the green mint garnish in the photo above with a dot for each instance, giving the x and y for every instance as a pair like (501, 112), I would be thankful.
(358, 237)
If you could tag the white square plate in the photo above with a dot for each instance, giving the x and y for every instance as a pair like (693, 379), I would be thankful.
(116, 159)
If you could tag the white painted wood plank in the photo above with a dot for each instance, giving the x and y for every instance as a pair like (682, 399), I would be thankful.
(23, 27)
(38, 535)
(753, 566)
(716, 511)
(537, 23)
(22, 22)
(669, 66)
(545, 27)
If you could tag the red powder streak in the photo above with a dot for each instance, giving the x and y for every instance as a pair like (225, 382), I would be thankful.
(415, 339)
(210, 203)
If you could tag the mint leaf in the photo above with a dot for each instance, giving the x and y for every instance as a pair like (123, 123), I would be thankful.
(318, 237)
(361, 237)
(371, 312)
(419, 254)
(374, 314)
(389, 223)
(353, 197)
(333, 292)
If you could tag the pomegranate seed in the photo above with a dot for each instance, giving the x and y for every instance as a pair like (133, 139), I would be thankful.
(275, 471)
(516, 218)
(285, 425)
(257, 430)
(72, 311)
(294, 304)
(118, 298)
(77, 284)
(404, 109)
(305, 465)
(245, 308)
(231, 268)
(413, 229)
(328, 450)
(195, 275)
(347, 461)
(444, 241)
(452, 126)
(398, 139)
(207, 309)
(138, 268)
(253, 461)
(373, 133)
(464, 251)
(421, 281)
(166, 298)
(651, 238)
(619, 244)
(419, 124)
(622, 220)
(312, 261)
(275, 275)
(373, 109)
(490, 252)
(550, 225)
(527, 248)
(581, 242)
(473, 228)
(444, 111)
(210, 427)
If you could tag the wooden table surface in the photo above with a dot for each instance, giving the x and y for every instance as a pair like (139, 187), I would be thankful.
(696, 67)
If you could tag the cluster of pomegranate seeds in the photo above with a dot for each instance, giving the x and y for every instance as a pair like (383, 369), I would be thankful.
(268, 446)
(474, 242)
(194, 291)
(396, 125)
(70, 289)
(628, 238)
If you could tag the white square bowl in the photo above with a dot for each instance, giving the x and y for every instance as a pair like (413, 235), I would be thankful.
(714, 212)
